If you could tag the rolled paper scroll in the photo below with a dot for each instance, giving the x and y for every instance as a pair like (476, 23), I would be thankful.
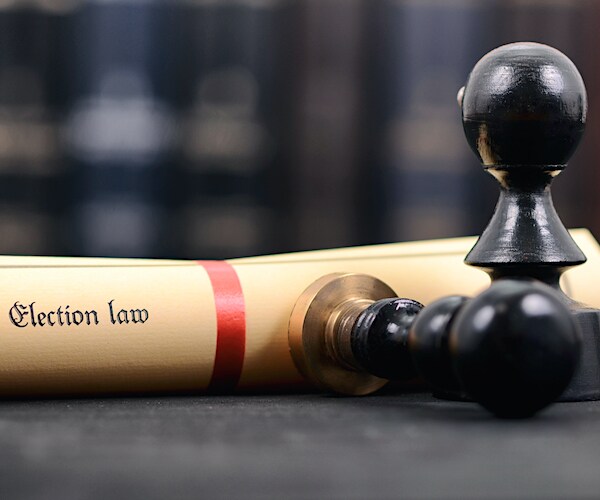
(83, 326)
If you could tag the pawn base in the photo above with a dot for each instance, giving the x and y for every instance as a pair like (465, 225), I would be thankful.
(451, 396)
(585, 384)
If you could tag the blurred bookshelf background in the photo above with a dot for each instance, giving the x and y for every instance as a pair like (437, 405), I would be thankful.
(225, 128)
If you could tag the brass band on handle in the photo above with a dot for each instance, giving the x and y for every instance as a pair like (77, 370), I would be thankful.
(320, 327)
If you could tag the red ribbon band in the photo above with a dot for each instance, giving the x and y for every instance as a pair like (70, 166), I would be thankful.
(231, 325)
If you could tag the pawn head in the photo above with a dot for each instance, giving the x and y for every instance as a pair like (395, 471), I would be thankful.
(524, 104)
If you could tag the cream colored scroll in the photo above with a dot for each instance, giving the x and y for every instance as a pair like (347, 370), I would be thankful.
(88, 326)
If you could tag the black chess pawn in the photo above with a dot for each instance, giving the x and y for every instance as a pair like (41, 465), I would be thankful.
(513, 348)
(524, 111)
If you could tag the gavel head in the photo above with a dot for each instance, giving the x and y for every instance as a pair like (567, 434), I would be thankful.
(515, 347)
(524, 104)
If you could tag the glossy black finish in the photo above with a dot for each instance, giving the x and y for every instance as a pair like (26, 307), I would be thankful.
(515, 347)
(524, 110)
(379, 338)
(428, 341)
(524, 104)
(525, 235)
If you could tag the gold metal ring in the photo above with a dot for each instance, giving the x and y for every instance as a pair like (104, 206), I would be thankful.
(319, 330)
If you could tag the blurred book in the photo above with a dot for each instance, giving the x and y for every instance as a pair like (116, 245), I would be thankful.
(31, 168)
(426, 182)
(327, 195)
(589, 152)
(119, 129)
(232, 190)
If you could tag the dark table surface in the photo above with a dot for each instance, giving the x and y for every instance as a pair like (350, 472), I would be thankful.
(294, 446)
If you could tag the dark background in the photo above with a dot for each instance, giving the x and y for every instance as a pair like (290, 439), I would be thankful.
(216, 129)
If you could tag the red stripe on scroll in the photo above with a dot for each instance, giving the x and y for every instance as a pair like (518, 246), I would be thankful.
(231, 325)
